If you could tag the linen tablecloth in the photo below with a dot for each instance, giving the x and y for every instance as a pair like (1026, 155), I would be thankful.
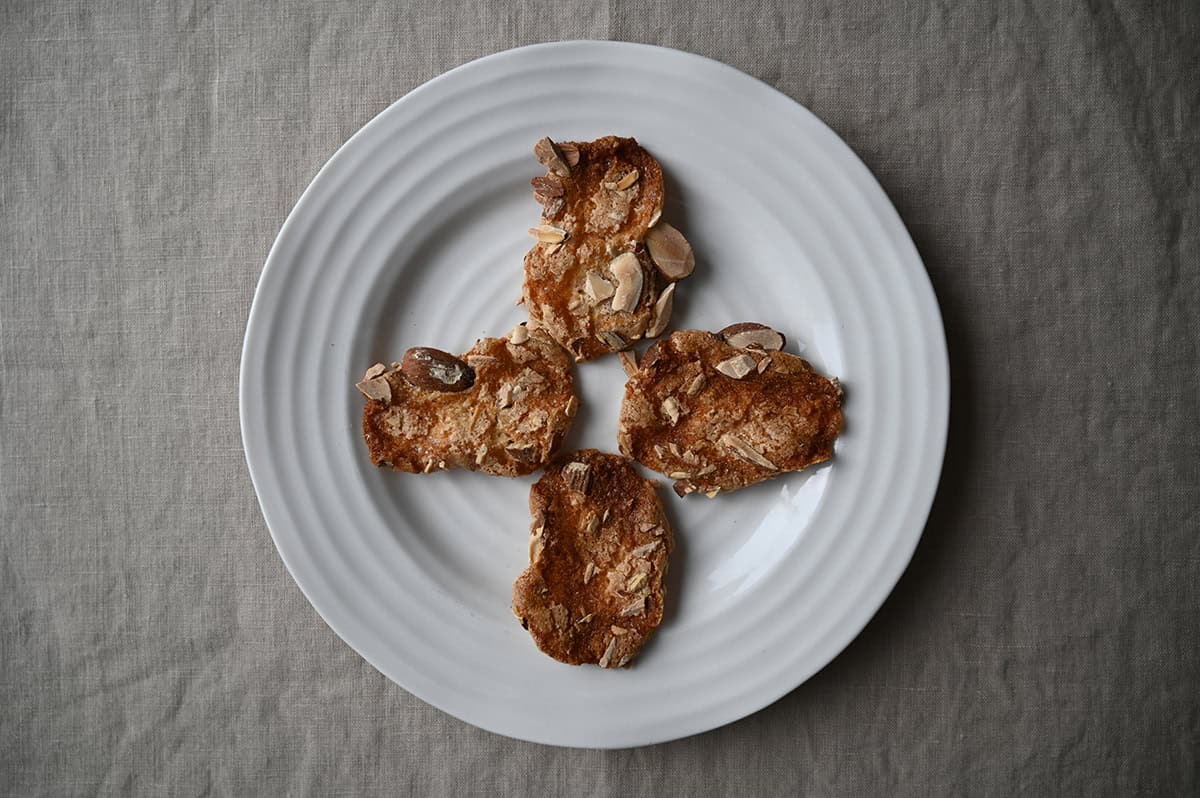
(1044, 640)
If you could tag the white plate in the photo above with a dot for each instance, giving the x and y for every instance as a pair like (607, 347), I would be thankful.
(413, 234)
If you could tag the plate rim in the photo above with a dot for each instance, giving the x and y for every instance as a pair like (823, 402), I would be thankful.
(924, 294)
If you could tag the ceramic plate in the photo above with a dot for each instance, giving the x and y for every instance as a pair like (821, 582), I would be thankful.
(414, 233)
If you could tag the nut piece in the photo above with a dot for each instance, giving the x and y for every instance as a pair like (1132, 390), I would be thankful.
(375, 371)
(662, 312)
(547, 186)
(628, 273)
(376, 388)
(548, 234)
(670, 409)
(519, 334)
(606, 659)
(570, 153)
(612, 340)
(597, 287)
(654, 217)
(628, 362)
(435, 370)
(578, 476)
(551, 157)
(737, 366)
(745, 451)
(589, 572)
(697, 384)
(625, 182)
(670, 251)
(752, 335)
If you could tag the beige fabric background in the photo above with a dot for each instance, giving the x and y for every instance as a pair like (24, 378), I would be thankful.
(1045, 639)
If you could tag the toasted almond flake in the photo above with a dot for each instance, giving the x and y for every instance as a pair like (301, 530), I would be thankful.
(697, 384)
(572, 406)
(536, 543)
(481, 454)
(764, 364)
(659, 450)
(633, 608)
(377, 388)
(612, 340)
(374, 371)
(708, 469)
(737, 366)
(588, 572)
(671, 409)
(570, 153)
(670, 251)
(628, 362)
(662, 312)
(752, 335)
(578, 476)
(678, 475)
(604, 517)
(628, 180)
(519, 334)
(550, 250)
(585, 619)
(645, 548)
(504, 397)
(628, 274)
(635, 581)
(618, 630)
(712, 494)
(428, 467)
(548, 186)
(745, 451)
(675, 450)
(550, 156)
(596, 287)
(548, 233)
(654, 217)
(658, 531)
(624, 661)
(606, 659)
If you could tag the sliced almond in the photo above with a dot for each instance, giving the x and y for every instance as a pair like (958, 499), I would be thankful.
(504, 396)
(377, 388)
(671, 409)
(588, 572)
(375, 371)
(636, 607)
(572, 406)
(678, 475)
(662, 312)
(712, 494)
(670, 251)
(628, 362)
(606, 658)
(745, 451)
(628, 273)
(434, 370)
(645, 548)
(597, 287)
(625, 182)
(547, 186)
(618, 630)
(635, 582)
(654, 217)
(737, 366)
(578, 476)
(551, 157)
(764, 364)
(584, 619)
(548, 234)
(752, 335)
(697, 384)
(519, 334)
(612, 340)
(570, 153)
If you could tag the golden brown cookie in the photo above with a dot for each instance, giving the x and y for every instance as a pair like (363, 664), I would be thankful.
(598, 549)
(601, 275)
(720, 411)
(502, 408)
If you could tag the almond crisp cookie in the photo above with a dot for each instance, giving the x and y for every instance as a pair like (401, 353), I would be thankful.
(719, 411)
(598, 549)
(602, 259)
(502, 408)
